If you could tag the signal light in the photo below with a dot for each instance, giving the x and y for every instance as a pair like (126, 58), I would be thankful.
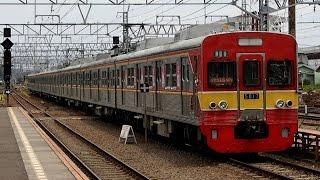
(7, 63)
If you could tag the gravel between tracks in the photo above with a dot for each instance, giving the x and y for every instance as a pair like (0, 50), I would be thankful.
(156, 160)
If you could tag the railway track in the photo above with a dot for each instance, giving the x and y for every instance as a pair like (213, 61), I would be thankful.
(94, 158)
(98, 163)
(309, 116)
(275, 168)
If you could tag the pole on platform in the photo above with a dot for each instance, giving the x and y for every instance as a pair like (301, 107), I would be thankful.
(292, 17)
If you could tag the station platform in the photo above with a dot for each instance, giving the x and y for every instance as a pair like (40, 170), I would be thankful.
(24, 153)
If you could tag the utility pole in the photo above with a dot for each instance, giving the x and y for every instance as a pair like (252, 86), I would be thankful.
(264, 15)
(292, 17)
(125, 31)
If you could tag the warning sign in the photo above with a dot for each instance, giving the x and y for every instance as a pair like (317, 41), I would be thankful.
(127, 134)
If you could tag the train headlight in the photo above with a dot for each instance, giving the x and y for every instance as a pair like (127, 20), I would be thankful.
(212, 105)
(280, 103)
(289, 103)
(223, 104)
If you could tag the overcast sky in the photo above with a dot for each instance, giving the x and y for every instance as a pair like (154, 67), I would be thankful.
(307, 34)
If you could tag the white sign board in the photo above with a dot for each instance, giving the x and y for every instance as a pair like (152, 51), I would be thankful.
(127, 134)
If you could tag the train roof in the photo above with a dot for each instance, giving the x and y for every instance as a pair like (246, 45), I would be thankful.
(183, 44)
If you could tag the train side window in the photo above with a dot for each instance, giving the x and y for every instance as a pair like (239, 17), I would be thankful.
(148, 76)
(118, 77)
(108, 77)
(111, 77)
(158, 74)
(171, 75)
(187, 72)
(174, 74)
(251, 72)
(183, 76)
(168, 74)
(138, 75)
(130, 76)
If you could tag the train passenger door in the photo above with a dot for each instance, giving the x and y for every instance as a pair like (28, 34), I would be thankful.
(84, 82)
(185, 85)
(251, 95)
(108, 84)
(122, 79)
(252, 86)
(158, 85)
(98, 84)
(252, 81)
(139, 76)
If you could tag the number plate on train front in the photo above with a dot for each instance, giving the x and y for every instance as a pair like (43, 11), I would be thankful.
(251, 96)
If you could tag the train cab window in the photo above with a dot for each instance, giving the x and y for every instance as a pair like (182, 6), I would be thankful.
(221, 74)
(279, 73)
(251, 73)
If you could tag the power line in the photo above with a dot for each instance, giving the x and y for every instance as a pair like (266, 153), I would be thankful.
(207, 13)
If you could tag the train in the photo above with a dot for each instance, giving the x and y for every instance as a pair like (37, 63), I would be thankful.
(233, 92)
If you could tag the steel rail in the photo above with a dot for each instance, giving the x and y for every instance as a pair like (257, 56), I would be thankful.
(296, 166)
(261, 170)
(265, 158)
(311, 117)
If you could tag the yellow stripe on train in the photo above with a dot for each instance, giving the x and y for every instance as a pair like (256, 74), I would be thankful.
(205, 98)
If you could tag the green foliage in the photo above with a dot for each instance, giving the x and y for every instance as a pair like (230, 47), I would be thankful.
(308, 88)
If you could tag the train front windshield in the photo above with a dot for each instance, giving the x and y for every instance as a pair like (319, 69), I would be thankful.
(279, 73)
(222, 74)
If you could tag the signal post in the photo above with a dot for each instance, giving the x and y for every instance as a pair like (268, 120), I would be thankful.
(7, 44)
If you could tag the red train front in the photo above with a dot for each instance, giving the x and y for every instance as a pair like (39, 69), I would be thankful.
(248, 91)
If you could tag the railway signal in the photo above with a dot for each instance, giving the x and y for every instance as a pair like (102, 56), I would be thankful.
(7, 44)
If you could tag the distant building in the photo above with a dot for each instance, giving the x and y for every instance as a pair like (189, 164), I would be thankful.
(307, 74)
(309, 64)
(310, 56)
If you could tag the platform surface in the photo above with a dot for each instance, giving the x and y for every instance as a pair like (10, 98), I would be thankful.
(24, 154)
(11, 163)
